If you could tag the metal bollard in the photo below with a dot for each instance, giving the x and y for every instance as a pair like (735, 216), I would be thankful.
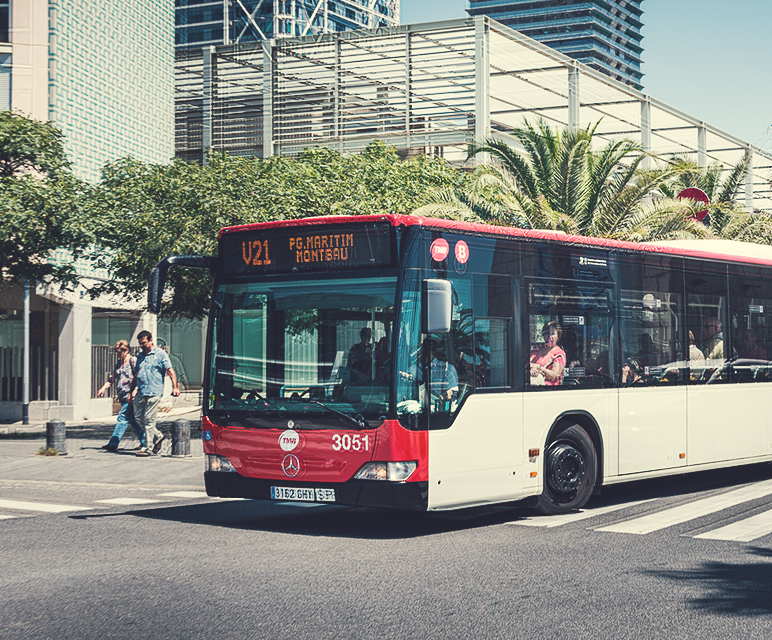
(181, 438)
(56, 436)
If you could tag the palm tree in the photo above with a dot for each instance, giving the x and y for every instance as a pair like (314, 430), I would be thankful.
(728, 217)
(557, 181)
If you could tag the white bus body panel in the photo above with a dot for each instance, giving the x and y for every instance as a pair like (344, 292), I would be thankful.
(652, 428)
(479, 458)
(483, 457)
(727, 422)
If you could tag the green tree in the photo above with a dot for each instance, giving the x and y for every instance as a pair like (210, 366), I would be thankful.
(147, 212)
(558, 181)
(39, 203)
(728, 218)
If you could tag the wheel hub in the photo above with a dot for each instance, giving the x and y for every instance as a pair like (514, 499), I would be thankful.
(565, 468)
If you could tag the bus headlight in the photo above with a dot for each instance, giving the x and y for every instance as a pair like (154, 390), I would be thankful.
(218, 463)
(391, 471)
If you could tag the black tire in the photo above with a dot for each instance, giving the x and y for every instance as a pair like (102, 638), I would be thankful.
(570, 471)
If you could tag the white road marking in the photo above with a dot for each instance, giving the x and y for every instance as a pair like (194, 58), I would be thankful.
(185, 494)
(302, 505)
(128, 501)
(6, 517)
(567, 518)
(39, 506)
(743, 531)
(690, 511)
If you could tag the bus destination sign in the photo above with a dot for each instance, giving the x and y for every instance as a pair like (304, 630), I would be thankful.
(287, 249)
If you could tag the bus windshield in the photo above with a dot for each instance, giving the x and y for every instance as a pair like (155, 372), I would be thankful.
(314, 352)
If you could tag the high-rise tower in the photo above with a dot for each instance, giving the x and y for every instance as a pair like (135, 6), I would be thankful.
(200, 24)
(604, 34)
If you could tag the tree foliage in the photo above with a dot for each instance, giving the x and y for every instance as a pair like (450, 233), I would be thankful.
(147, 212)
(40, 203)
(558, 180)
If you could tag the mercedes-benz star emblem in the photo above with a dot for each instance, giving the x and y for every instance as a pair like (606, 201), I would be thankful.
(291, 465)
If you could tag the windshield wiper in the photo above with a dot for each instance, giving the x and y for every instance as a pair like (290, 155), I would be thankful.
(359, 422)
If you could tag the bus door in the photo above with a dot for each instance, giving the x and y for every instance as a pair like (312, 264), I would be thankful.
(475, 439)
(652, 398)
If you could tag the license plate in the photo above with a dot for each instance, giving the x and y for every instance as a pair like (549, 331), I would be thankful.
(301, 494)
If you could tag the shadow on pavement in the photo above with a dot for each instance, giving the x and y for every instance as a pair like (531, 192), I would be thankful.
(729, 589)
(324, 520)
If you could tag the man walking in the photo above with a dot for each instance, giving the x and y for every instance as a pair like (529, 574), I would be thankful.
(151, 366)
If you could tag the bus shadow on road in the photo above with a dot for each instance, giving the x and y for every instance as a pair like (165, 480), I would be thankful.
(332, 521)
(727, 589)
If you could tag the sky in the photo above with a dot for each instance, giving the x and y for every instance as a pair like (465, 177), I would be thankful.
(711, 59)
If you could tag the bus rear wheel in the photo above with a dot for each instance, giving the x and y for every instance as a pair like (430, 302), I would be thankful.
(570, 469)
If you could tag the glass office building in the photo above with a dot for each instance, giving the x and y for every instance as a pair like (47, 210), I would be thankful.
(201, 23)
(103, 73)
(603, 34)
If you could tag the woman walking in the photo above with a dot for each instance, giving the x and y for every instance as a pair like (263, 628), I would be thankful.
(122, 376)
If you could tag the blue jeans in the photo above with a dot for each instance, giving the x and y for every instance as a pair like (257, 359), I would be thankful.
(124, 419)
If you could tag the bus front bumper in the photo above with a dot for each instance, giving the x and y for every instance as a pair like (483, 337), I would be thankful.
(358, 493)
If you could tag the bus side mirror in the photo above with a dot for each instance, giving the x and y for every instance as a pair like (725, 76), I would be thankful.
(437, 308)
(157, 280)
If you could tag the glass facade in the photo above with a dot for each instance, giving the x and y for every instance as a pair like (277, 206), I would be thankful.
(604, 34)
(201, 23)
(112, 95)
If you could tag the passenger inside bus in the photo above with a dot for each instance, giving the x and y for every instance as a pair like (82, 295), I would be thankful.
(360, 358)
(749, 346)
(443, 382)
(713, 339)
(694, 353)
(631, 372)
(548, 359)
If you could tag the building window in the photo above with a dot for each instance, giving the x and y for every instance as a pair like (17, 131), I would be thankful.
(5, 82)
(5, 25)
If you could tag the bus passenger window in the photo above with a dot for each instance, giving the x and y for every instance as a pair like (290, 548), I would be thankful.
(706, 315)
(491, 349)
(569, 333)
(750, 302)
(651, 351)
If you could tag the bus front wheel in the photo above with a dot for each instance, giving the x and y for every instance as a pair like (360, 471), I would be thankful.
(570, 469)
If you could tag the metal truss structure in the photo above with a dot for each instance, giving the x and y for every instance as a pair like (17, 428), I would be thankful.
(251, 20)
(428, 88)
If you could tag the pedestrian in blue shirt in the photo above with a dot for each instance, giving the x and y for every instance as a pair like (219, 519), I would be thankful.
(151, 366)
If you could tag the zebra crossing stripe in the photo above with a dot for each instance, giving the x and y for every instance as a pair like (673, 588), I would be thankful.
(184, 494)
(548, 522)
(743, 531)
(39, 506)
(129, 501)
(690, 511)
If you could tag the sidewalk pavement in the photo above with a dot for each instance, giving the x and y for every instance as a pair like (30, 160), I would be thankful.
(86, 461)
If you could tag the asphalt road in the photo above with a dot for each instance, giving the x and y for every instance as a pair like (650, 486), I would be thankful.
(161, 560)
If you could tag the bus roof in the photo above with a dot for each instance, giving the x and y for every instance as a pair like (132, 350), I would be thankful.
(709, 249)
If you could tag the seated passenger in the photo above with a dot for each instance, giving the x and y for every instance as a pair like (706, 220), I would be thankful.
(714, 339)
(749, 346)
(631, 372)
(360, 358)
(443, 382)
(548, 360)
(694, 353)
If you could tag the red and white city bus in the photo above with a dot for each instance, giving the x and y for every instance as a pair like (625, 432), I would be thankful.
(414, 363)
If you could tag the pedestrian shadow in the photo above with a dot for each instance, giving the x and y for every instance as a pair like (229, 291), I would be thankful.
(726, 588)
(326, 520)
